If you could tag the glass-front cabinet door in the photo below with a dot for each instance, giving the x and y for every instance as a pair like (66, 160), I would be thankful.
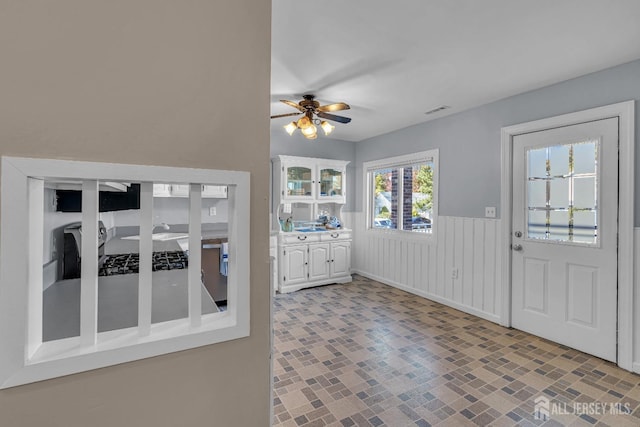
(309, 180)
(331, 182)
(299, 182)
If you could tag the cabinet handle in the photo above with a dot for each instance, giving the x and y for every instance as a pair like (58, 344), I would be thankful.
(302, 237)
(335, 235)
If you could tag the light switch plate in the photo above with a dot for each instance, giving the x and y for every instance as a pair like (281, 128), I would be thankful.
(490, 212)
(212, 211)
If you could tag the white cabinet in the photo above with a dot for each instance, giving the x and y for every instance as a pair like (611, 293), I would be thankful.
(179, 190)
(298, 181)
(182, 190)
(214, 191)
(340, 259)
(331, 182)
(71, 184)
(161, 190)
(273, 254)
(321, 260)
(294, 264)
(306, 188)
(306, 179)
(310, 192)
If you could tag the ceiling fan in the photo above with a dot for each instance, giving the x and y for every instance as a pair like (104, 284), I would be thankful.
(311, 108)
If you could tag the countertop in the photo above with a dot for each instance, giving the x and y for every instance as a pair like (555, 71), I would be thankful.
(120, 245)
(317, 231)
(117, 303)
(118, 297)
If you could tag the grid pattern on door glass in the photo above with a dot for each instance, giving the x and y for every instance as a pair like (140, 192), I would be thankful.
(562, 192)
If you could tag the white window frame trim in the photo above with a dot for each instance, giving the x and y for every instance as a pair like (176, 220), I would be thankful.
(23, 357)
(401, 161)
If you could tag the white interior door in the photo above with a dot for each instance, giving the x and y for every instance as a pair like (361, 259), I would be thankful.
(564, 242)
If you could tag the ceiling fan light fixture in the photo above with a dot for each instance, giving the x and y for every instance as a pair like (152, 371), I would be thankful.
(310, 132)
(291, 127)
(312, 116)
(304, 123)
(327, 127)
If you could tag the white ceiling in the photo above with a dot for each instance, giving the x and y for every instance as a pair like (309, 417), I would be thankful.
(394, 60)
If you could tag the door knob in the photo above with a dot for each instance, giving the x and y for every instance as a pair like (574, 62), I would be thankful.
(517, 248)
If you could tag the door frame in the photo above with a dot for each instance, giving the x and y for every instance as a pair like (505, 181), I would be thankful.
(625, 111)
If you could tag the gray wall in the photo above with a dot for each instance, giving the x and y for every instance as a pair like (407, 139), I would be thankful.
(323, 148)
(469, 141)
(150, 82)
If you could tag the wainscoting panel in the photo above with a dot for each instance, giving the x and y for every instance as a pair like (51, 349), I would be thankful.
(459, 266)
(468, 246)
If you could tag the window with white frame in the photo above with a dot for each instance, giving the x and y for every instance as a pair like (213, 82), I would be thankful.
(401, 193)
(108, 261)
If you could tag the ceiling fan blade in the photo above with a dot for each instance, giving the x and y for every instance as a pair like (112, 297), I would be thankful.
(333, 117)
(285, 115)
(334, 107)
(293, 104)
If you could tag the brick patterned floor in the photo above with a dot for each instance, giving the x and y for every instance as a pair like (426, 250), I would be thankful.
(366, 354)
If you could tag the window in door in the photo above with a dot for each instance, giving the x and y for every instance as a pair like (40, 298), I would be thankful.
(562, 193)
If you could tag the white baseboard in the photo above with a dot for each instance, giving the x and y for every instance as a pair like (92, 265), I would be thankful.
(464, 308)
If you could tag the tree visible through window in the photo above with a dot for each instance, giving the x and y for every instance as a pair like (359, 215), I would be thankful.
(403, 195)
(422, 195)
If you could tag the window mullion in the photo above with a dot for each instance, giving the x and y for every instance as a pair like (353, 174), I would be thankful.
(146, 255)
(195, 242)
(89, 264)
(371, 191)
(400, 198)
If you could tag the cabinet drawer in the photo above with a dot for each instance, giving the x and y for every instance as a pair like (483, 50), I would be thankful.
(299, 238)
(335, 235)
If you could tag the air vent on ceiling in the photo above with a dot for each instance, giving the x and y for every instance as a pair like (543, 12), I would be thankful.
(437, 109)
